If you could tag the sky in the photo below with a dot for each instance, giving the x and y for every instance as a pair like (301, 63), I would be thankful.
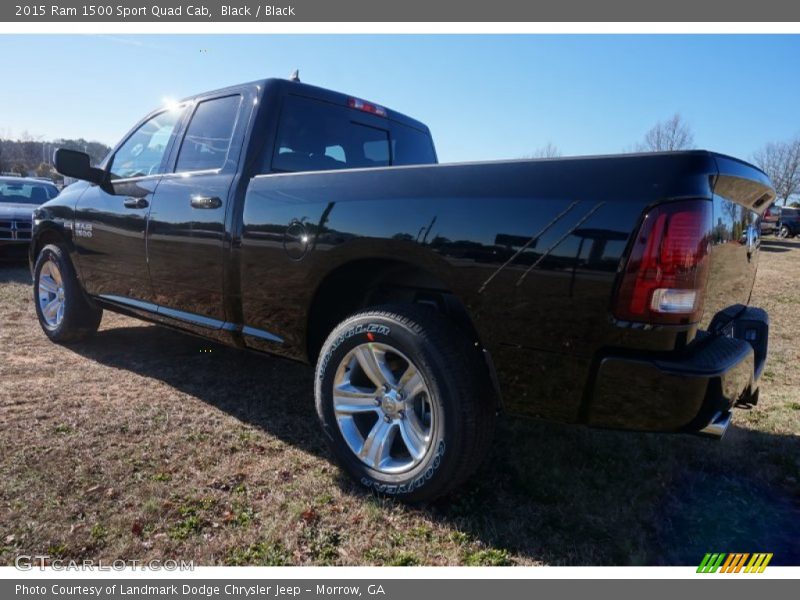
(484, 97)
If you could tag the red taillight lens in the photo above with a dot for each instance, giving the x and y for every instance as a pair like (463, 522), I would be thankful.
(665, 279)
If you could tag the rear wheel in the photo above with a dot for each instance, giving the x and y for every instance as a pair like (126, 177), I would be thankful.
(783, 232)
(64, 312)
(404, 401)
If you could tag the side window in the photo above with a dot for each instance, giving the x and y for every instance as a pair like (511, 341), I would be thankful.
(208, 137)
(315, 135)
(143, 152)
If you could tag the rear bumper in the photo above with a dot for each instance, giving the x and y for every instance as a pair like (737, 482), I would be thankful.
(691, 391)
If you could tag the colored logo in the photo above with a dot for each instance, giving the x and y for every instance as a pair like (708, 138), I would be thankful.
(734, 562)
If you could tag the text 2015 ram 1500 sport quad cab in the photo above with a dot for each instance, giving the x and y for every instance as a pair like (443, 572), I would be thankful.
(288, 219)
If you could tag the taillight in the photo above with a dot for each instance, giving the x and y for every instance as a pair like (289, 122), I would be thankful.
(664, 281)
(367, 107)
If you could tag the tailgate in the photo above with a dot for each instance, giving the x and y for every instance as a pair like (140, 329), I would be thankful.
(741, 195)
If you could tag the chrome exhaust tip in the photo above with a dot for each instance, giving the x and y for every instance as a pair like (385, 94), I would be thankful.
(717, 426)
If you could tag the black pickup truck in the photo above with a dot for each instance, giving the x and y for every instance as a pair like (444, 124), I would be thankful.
(279, 217)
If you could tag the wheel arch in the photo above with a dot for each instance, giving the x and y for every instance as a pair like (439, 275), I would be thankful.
(360, 283)
(49, 233)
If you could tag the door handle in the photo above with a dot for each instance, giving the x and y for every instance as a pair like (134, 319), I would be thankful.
(132, 202)
(206, 202)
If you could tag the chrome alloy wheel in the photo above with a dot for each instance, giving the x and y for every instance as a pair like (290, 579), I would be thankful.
(383, 408)
(51, 294)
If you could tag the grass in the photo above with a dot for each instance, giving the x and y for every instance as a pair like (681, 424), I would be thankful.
(263, 554)
(488, 558)
(138, 445)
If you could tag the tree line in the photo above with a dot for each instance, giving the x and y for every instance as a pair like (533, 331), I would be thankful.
(28, 156)
(780, 160)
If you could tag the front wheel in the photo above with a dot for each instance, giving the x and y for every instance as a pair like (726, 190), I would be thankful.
(64, 312)
(783, 232)
(404, 401)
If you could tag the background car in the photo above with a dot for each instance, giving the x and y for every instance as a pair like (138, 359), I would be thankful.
(789, 223)
(18, 197)
(769, 220)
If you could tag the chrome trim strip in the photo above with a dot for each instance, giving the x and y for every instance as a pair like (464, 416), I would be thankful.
(192, 318)
(261, 334)
(165, 311)
(170, 175)
(186, 174)
(136, 179)
(140, 304)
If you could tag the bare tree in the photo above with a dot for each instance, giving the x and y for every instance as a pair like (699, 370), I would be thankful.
(27, 136)
(549, 150)
(781, 162)
(671, 134)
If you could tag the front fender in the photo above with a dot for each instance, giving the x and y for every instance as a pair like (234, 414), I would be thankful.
(54, 221)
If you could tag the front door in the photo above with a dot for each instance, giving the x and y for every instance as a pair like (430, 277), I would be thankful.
(186, 233)
(110, 225)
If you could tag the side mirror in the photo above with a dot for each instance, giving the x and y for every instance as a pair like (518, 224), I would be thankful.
(73, 163)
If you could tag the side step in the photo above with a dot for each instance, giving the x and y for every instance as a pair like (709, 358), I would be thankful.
(718, 425)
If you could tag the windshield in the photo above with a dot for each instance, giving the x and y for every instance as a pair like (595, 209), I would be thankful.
(24, 192)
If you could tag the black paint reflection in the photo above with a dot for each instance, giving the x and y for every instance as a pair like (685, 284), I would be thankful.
(111, 250)
(559, 306)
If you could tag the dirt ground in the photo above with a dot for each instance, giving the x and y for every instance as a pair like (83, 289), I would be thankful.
(148, 444)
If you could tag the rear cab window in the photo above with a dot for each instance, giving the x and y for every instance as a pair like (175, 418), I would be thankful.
(207, 140)
(314, 135)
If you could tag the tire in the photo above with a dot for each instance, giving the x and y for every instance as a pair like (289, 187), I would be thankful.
(784, 232)
(65, 313)
(419, 437)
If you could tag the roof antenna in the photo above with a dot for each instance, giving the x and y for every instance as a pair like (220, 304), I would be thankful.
(295, 76)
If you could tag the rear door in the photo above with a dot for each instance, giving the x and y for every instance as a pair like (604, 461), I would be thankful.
(109, 228)
(186, 234)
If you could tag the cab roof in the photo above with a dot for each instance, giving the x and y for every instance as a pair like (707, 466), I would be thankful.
(285, 86)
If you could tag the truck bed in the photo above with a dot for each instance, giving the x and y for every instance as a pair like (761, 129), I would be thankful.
(532, 248)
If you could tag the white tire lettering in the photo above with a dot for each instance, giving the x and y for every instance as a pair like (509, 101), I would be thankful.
(407, 488)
